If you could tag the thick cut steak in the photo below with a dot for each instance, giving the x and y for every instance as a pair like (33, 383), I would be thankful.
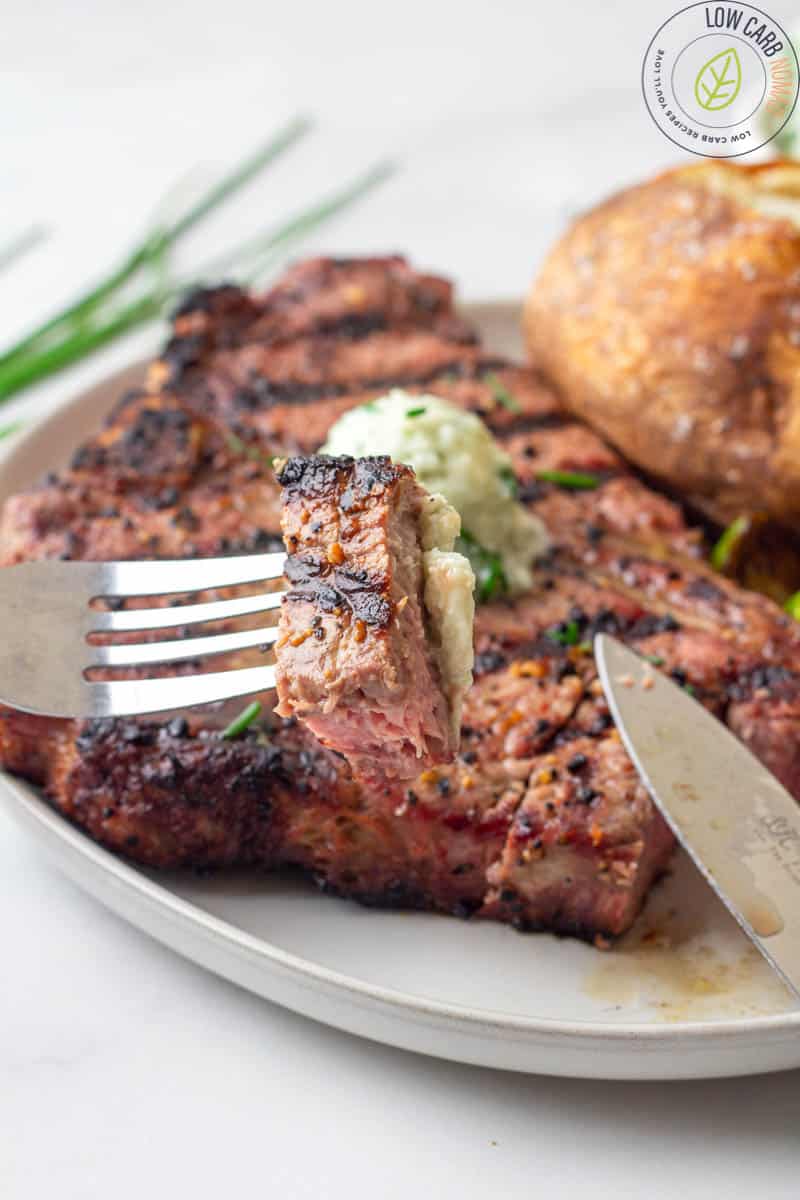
(540, 821)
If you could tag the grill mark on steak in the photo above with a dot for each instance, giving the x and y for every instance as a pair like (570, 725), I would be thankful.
(318, 298)
(262, 393)
(320, 475)
(349, 484)
(623, 558)
(183, 353)
(357, 593)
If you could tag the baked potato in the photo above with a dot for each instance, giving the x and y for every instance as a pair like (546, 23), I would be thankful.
(669, 319)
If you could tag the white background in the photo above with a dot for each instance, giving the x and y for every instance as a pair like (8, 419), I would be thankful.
(125, 1072)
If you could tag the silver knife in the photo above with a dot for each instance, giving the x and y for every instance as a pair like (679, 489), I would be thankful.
(738, 823)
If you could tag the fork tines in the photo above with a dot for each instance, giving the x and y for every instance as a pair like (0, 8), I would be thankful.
(58, 640)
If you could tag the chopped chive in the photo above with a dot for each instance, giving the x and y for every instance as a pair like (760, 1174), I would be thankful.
(500, 393)
(792, 606)
(655, 660)
(723, 550)
(510, 480)
(416, 412)
(566, 634)
(243, 721)
(689, 689)
(579, 480)
(253, 452)
(490, 578)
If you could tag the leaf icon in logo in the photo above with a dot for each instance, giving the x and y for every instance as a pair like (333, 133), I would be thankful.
(718, 81)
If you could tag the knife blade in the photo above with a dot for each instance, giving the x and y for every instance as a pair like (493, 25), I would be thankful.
(736, 820)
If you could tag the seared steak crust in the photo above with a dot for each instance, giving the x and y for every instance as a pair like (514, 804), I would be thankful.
(540, 821)
(317, 492)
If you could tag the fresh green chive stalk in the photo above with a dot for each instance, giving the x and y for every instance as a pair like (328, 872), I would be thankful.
(22, 373)
(95, 324)
(264, 248)
(152, 249)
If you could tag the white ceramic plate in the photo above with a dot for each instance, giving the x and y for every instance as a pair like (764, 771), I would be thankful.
(684, 996)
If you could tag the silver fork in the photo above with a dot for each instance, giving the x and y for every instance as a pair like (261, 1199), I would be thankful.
(47, 613)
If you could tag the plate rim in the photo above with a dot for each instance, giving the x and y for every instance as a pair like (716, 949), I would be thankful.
(35, 814)
(38, 811)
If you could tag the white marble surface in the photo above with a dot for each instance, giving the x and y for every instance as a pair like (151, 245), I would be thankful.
(124, 1071)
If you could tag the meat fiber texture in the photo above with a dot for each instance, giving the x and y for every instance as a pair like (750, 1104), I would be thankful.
(357, 661)
(541, 820)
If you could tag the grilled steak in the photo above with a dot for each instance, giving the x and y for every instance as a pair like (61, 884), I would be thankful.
(357, 659)
(540, 821)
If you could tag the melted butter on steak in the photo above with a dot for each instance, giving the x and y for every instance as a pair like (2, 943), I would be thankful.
(453, 453)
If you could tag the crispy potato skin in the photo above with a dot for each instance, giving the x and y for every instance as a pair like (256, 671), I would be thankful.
(669, 319)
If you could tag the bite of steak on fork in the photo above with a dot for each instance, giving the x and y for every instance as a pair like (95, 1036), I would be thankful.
(358, 656)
